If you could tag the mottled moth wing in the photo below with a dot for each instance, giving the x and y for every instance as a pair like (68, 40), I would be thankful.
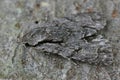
(75, 37)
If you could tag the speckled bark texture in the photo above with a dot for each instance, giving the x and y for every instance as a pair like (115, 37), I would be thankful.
(21, 61)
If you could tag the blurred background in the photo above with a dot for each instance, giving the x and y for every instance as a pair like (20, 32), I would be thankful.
(19, 15)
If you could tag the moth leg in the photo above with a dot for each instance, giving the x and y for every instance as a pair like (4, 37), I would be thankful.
(15, 53)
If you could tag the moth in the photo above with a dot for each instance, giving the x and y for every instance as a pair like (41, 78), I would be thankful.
(75, 37)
